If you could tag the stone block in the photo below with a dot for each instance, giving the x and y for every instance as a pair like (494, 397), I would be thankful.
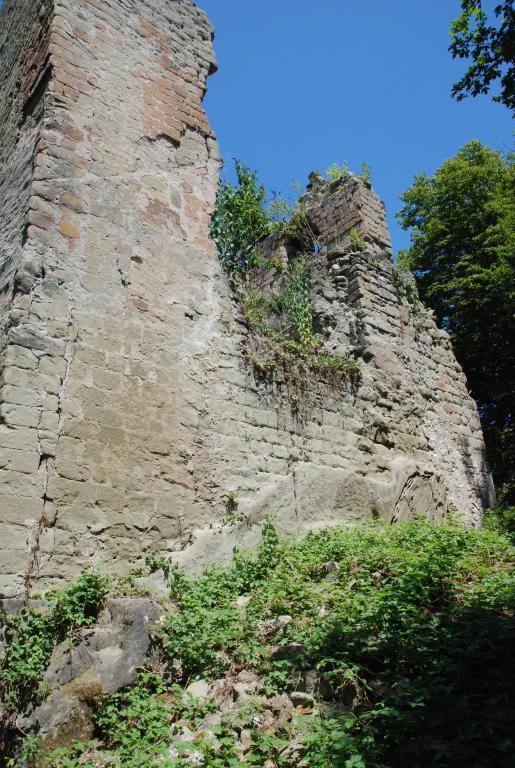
(53, 366)
(19, 415)
(19, 438)
(20, 357)
(19, 460)
(21, 396)
(13, 537)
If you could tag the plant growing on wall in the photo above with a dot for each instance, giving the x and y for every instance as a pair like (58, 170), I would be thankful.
(239, 221)
(292, 220)
(337, 171)
(297, 302)
(357, 241)
(242, 217)
(366, 173)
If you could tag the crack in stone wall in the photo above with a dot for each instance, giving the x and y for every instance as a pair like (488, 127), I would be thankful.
(128, 411)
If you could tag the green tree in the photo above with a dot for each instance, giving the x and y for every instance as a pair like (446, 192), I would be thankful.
(462, 254)
(490, 44)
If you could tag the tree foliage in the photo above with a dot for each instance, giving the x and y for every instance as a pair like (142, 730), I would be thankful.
(462, 254)
(490, 44)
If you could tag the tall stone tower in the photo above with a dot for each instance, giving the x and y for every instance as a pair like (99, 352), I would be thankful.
(128, 412)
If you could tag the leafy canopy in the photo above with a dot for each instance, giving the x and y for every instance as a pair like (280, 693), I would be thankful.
(462, 253)
(490, 45)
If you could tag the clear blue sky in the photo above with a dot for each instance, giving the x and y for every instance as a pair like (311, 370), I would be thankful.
(303, 84)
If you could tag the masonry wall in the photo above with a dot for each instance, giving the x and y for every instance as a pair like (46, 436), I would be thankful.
(24, 47)
(96, 429)
(24, 43)
(128, 411)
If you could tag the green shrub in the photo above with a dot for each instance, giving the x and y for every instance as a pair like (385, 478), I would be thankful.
(31, 636)
(296, 300)
(241, 218)
(357, 241)
(29, 640)
(366, 173)
(239, 221)
(134, 724)
(501, 519)
(336, 171)
(414, 636)
(293, 221)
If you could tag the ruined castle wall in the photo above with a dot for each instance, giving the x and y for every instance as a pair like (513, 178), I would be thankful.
(96, 431)
(24, 40)
(128, 408)
(338, 207)
(24, 52)
(412, 384)
(402, 438)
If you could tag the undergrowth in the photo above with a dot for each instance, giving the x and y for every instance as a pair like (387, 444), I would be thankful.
(30, 636)
(407, 629)
(501, 519)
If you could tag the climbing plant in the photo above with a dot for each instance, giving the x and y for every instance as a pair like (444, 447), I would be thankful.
(297, 302)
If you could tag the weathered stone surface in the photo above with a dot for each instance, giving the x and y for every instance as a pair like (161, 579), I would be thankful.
(104, 659)
(128, 411)
(199, 689)
(289, 652)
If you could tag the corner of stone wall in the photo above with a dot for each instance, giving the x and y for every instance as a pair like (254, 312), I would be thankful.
(128, 409)
(111, 178)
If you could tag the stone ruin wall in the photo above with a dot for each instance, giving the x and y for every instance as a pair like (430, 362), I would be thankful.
(127, 409)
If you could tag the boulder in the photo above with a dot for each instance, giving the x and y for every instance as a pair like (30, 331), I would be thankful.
(199, 689)
(289, 652)
(104, 660)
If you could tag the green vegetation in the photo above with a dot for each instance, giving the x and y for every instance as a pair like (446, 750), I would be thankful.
(292, 354)
(356, 240)
(501, 519)
(274, 356)
(242, 217)
(232, 511)
(31, 637)
(239, 221)
(489, 44)
(407, 631)
(366, 173)
(291, 219)
(463, 257)
(283, 337)
(336, 171)
(296, 302)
